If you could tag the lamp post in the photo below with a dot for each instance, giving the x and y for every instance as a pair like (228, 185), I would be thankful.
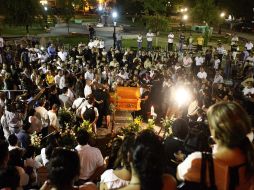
(222, 15)
(114, 16)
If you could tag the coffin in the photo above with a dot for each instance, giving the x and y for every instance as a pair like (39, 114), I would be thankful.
(126, 98)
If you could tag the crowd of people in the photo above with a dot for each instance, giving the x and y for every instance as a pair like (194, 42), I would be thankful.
(198, 89)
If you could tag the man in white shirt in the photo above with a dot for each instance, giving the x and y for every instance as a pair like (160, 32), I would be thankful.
(149, 38)
(202, 74)
(139, 40)
(170, 41)
(248, 87)
(199, 60)
(62, 55)
(89, 75)
(42, 114)
(123, 75)
(249, 46)
(218, 78)
(220, 50)
(78, 104)
(53, 120)
(187, 61)
(147, 63)
(114, 63)
(88, 88)
(91, 160)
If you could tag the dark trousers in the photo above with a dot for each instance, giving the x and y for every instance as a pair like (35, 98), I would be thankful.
(170, 46)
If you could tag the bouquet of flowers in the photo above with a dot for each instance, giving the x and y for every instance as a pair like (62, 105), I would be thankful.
(86, 125)
(134, 127)
(167, 124)
(66, 116)
(36, 140)
(68, 137)
(151, 124)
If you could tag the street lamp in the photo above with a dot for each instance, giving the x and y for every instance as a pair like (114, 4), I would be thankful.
(222, 15)
(114, 16)
(185, 17)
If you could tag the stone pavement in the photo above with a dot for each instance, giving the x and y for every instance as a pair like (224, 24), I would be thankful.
(122, 119)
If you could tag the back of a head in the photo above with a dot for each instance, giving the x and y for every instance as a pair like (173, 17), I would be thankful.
(148, 160)
(230, 124)
(63, 167)
(65, 90)
(9, 178)
(13, 140)
(83, 137)
(180, 128)
(125, 149)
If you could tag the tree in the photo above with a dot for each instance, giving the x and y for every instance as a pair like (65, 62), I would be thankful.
(65, 10)
(243, 8)
(18, 12)
(205, 10)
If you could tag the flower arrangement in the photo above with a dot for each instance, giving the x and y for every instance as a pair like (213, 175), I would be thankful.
(134, 127)
(66, 116)
(68, 136)
(167, 124)
(86, 125)
(151, 124)
(36, 140)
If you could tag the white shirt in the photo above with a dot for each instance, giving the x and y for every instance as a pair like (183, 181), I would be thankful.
(53, 120)
(57, 80)
(1, 42)
(112, 181)
(62, 82)
(234, 40)
(171, 38)
(78, 104)
(70, 94)
(216, 64)
(149, 37)
(187, 61)
(249, 46)
(42, 114)
(62, 55)
(124, 76)
(218, 79)
(199, 61)
(247, 91)
(102, 44)
(202, 75)
(140, 37)
(90, 159)
(87, 90)
(220, 50)
(89, 75)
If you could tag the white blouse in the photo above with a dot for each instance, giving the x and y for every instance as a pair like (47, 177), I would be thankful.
(112, 181)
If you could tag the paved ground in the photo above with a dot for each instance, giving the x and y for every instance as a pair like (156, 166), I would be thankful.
(122, 119)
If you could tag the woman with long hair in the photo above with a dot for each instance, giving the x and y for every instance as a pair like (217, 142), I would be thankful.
(147, 164)
(233, 153)
(63, 170)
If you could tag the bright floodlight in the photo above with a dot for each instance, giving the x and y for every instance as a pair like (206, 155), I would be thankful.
(45, 8)
(185, 17)
(114, 14)
(222, 15)
(100, 7)
(182, 96)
